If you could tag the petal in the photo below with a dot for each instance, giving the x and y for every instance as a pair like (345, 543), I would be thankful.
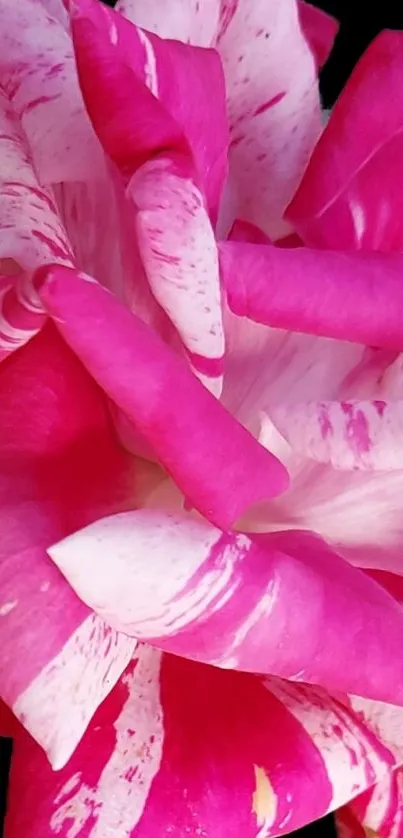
(348, 435)
(168, 83)
(57, 660)
(192, 434)
(180, 257)
(286, 754)
(273, 106)
(378, 811)
(225, 599)
(21, 313)
(320, 30)
(176, 239)
(354, 297)
(183, 20)
(30, 230)
(37, 71)
(337, 204)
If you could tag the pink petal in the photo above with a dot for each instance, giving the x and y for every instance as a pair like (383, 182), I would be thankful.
(339, 202)
(355, 297)
(319, 28)
(21, 313)
(192, 434)
(37, 71)
(273, 106)
(59, 469)
(225, 599)
(349, 434)
(284, 753)
(175, 235)
(164, 101)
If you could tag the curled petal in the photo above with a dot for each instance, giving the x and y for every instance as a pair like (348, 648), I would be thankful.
(21, 313)
(290, 752)
(150, 119)
(356, 297)
(30, 230)
(180, 257)
(226, 599)
(191, 433)
(183, 20)
(348, 193)
(57, 660)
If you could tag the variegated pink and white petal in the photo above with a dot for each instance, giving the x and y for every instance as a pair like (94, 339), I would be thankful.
(359, 435)
(59, 468)
(30, 230)
(38, 73)
(319, 28)
(176, 743)
(273, 105)
(337, 204)
(378, 811)
(179, 253)
(188, 21)
(192, 434)
(347, 296)
(232, 599)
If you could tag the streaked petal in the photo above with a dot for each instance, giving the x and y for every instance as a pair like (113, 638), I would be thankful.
(59, 469)
(164, 97)
(169, 146)
(319, 28)
(273, 106)
(362, 435)
(348, 296)
(30, 230)
(37, 70)
(378, 811)
(191, 433)
(285, 753)
(226, 599)
(180, 257)
(21, 313)
(339, 202)
(188, 21)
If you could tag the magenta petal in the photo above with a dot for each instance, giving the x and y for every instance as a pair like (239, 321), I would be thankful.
(319, 28)
(59, 469)
(192, 434)
(254, 758)
(346, 198)
(261, 603)
(356, 297)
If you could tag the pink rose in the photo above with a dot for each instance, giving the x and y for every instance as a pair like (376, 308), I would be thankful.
(200, 429)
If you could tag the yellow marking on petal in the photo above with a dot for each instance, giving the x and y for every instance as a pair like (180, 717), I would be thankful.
(370, 833)
(264, 800)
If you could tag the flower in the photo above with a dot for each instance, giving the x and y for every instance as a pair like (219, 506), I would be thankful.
(196, 643)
